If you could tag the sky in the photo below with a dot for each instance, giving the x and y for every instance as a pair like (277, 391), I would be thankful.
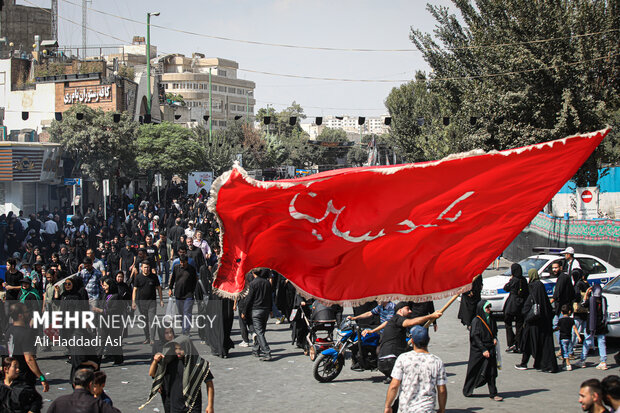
(344, 24)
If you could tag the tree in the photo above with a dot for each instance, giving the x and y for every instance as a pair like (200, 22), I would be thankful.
(327, 154)
(100, 146)
(280, 122)
(169, 149)
(528, 79)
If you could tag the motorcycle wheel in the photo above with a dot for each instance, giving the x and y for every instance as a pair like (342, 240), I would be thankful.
(325, 369)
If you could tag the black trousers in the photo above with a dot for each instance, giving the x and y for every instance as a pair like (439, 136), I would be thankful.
(513, 337)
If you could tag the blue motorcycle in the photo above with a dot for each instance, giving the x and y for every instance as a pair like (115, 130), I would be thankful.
(330, 362)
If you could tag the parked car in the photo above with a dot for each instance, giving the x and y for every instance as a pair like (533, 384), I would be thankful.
(611, 292)
(599, 272)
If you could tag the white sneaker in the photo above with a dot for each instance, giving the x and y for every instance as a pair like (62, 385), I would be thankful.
(602, 366)
(244, 344)
(569, 367)
(280, 320)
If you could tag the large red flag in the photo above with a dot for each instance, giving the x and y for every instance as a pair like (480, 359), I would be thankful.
(417, 231)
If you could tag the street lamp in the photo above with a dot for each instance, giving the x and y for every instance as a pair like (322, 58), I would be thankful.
(148, 61)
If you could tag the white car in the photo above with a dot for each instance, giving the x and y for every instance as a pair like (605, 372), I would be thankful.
(598, 271)
(611, 292)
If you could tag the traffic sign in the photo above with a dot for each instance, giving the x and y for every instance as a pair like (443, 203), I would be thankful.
(106, 187)
(73, 181)
(158, 180)
(586, 196)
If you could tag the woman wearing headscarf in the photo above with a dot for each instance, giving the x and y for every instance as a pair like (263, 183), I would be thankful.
(111, 332)
(469, 301)
(518, 292)
(482, 364)
(178, 371)
(596, 326)
(537, 336)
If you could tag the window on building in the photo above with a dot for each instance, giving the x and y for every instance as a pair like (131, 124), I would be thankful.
(221, 72)
(240, 91)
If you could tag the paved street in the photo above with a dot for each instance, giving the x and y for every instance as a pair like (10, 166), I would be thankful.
(243, 383)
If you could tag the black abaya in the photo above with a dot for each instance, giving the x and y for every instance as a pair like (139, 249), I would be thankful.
(481, 370)
(469, 301)
(537, 336)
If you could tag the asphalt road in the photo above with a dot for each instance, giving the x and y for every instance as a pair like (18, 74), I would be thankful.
(243, 383)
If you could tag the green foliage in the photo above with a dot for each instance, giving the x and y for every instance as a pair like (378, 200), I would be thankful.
(545, 90)
(99, 145)
(127, 72)
(172, 97)
(49, 69)
(280, 120)
(169, 149)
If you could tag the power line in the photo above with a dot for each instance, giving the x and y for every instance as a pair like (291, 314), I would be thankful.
(340, 49)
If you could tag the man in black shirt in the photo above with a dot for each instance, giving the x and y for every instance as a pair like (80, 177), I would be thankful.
(258, 307)
(183, 281)
(21, 345)
(146, 286)
(195, 254)
(82, 398)
(394, 338)
(563, 293)
(152, 252)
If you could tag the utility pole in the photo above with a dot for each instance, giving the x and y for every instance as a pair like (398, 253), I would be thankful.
(210, 108)
(83, 27)
(148, 61)
(55, 19)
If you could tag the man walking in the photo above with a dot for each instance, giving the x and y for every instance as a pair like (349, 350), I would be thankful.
(258, 307)
(563, 293)
(146, 287)
(420, 376)
(183, 281)
(92, 281)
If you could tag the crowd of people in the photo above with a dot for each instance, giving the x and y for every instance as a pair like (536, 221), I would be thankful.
(127, 259)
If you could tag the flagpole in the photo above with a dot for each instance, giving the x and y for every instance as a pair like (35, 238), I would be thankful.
(448, 304)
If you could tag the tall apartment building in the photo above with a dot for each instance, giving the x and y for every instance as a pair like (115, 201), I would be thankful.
(230, 97)
(350, 124)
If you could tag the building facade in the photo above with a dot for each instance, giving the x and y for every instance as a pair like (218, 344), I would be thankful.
(19, 24)
(208, 85)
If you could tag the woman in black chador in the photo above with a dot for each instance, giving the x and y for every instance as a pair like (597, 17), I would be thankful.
(469, 301)
(482, 365)
(537, 336)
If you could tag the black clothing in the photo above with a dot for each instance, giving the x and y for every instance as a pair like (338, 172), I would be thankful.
(563, 293)
(259, 296)
(13, 279)
(21, 340)
(394, 338)
(469, 301)
(421, 309)
(152, 253)
(537, 339)
(175, 233)
(581, 286)
(518, 291)
(19, 398)
(481, 370)
(80, 401)
(128, 257)
(147, 286)
(565, 325)
(173, 388)
(183, 281)
(198, 257)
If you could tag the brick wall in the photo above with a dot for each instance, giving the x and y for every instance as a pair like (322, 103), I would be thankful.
(114, 103)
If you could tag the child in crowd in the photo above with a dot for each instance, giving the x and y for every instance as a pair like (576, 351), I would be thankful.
(566, 326)
(99, 385)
